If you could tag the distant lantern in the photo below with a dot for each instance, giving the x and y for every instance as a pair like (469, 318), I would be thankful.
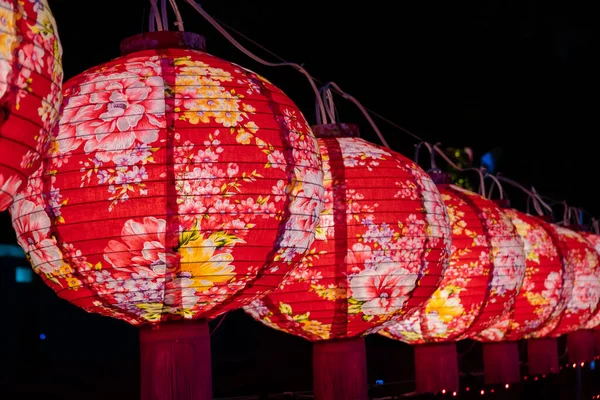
(382, 245)
(30, 90)
(179, 187)
(487, 265)
(594, 323)
(578, 302)
(535, 304)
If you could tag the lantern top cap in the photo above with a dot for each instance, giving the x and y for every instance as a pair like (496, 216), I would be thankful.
(335, 130)
(163, 40)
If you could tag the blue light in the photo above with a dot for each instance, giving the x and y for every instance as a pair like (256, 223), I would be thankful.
(42, 336)
(23, 275)
(592, 365)
(379, 382)
(488, 162)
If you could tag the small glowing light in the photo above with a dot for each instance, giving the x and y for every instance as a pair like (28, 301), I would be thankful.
(379, 382)
(582, 364)
(468, 388)
(525, 378)
(42, 336)
(574, 365)
(492, 390)
(507, 386)
(592, 365)
(535, 379)
(454, 394)
(443, 391)
(543, 376)
(482, 392)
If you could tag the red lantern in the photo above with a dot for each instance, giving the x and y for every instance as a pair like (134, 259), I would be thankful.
(30, 90)
(486, 269)
(578, 302)
(535, 304)
(381, 247)
(179, 187)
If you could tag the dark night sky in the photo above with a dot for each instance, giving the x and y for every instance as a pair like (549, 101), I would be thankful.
(516, 75)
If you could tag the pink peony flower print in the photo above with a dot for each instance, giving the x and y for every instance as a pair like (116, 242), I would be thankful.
(142, 246)
(383, 289)
(113, 112)
(8, 189)
(509, 265)
(32, 225)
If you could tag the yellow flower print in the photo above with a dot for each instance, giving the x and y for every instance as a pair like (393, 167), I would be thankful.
(152, 312)
(206, 268)
(316, 328)
(8, 20)
(329, 293)
(251, 126)
(445, 307)
(243, 137)
(249, 109)
(73, 282)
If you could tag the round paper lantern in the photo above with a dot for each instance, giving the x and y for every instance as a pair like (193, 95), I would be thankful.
(487, 265)
(382, 244)
(578, 301)
(30, 90)
(179, 186)
(535, 304)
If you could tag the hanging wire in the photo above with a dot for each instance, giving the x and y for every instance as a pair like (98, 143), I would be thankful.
(164, 14)
(275, 55)
(360, 107)
(155, 20)
(435, 149)
(495, 183)
(329, 104)
(178, 18)
(247, 52)
(531, 195)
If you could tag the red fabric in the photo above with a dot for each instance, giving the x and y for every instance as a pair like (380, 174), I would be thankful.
(436, 368)
(175, 361)
(382, 245)
(501, 363)
(178, 186)
(340, 370)
(581, 346)
(487, 264)
(542, 356)
(30, 90)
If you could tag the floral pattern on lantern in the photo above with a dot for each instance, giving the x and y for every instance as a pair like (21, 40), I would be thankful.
(580, 291)
(177, 186)
(540, 293)
(30, 90)
(594, 240)
(382, 244)
(486, 269)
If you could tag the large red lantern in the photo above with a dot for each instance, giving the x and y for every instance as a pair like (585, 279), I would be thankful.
(178, 187)
(30, 90)
(580, 292)
(479, 287)
(537, 301)
(382, 245)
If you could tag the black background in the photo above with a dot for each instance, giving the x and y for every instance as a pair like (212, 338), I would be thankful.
(521, 76)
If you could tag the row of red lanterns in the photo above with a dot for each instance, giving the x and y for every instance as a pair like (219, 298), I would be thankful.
(178, 186)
